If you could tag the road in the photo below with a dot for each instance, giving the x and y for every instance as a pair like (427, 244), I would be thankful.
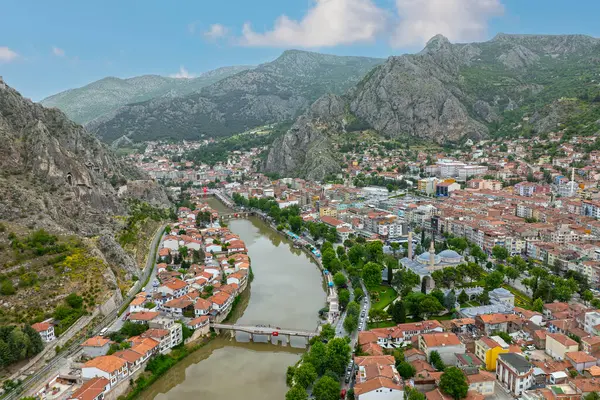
(150, 263)
(60, 361)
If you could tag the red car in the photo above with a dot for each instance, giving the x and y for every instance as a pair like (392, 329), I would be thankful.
(275, 333)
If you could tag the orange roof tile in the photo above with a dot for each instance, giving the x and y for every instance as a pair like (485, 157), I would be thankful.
(90, 389)
(108, 364)
(96, 341)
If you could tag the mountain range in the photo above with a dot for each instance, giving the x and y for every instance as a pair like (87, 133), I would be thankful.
(450, 92)
(446, 93)
(105, 96)
(273, 92)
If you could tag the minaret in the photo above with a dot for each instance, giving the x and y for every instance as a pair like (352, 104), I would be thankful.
(573, 181)
(410, 246)
(432, 254)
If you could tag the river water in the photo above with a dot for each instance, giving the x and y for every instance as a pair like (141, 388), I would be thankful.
(287, 291)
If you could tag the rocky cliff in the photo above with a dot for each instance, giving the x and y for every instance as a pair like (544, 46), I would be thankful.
(57, 175)
(273, 92)
(305, 149)
(449, 92)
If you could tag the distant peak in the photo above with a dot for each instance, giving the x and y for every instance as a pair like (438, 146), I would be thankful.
(436, 43)
(437, 40)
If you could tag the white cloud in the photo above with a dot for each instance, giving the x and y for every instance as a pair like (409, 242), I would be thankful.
(57, 51)
(182, 74)
(458, 20)
(328, 23)
(7, 55)
(216, 31)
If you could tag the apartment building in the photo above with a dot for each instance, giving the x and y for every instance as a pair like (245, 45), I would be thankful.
(445, 343)
(514, 372)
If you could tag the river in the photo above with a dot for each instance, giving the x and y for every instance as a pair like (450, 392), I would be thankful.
(287, 291)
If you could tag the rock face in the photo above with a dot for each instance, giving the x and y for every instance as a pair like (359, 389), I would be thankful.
(305, 149)
(101, 98)
(57, 175)
(445, 93)
(273, 92)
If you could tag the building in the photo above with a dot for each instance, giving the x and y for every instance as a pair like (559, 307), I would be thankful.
(580, 360)
(501, 295)
(400, 334)
(497, 322)
(447, 344)
(482, 382)
(113, 368)
(487, 350)
(96, 346)
(46, 331)
(514, 372)
(558, 344)
(377, 378)
(425, 263)
(444, 189)
(94, 389)
(168, 332)
(592, 322)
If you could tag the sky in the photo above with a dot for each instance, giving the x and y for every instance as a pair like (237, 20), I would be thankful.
(50, 46)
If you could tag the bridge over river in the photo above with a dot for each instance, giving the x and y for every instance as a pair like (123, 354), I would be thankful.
(270, 332)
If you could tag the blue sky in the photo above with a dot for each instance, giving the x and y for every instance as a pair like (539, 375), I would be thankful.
(50, 46)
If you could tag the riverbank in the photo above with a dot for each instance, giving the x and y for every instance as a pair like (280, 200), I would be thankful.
(285, 292)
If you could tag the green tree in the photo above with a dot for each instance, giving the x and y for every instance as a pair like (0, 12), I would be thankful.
(344, 297)
(413, 394)
(538, 305)
(406, 370)
(587, 296)
(592, 396)
(437, 293)
(74, 301)
(35, 340)
(405, 280)
(326, 388)
(6, 357)
(338, 355)
(295, 223)
(317, 356)
(339, 279)
(356, 254)
(500, 253)
(454, 383)
(350, 323)
(494, 280)
(398, 312)
(436, 360)
(371, 275)
(358, 293)
(431, 306)
(375, 251)
(327, 331)
(511, 273)
(296, 393)
(450, 300)
(305, 375)
(463, 297)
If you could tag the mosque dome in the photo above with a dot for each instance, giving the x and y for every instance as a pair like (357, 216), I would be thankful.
(423, 258)
(450, 256)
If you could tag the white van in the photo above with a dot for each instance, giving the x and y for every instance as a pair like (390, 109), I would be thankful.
(103, 331)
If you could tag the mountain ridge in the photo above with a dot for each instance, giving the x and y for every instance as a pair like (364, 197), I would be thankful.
(448, 92)
(106, 95)
(272, 92)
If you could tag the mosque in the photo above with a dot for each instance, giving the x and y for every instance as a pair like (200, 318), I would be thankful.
(424, 264)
